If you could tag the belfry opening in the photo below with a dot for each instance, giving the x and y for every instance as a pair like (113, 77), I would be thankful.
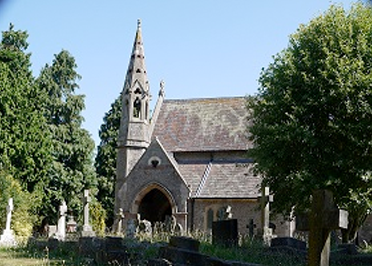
(155, 206)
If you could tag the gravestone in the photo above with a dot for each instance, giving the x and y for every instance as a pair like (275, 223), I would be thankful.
(51, 230)
(131, 228)
(225, 233)
(7, 238)
(324, 217)
(71, 224)
(224, 213)
(61, 227)
(251, 226)
(265, 200)
(87, 229)
(120, 219)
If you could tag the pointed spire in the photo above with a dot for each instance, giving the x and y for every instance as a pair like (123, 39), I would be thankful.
(137, 67)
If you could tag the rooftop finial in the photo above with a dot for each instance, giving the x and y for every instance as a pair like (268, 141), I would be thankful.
(139, 23)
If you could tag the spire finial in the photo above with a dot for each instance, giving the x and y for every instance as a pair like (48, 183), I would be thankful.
(138, 23)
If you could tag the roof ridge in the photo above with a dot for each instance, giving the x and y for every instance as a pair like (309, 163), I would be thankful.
(206, 98)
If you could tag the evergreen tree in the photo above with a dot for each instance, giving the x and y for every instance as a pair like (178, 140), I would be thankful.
(72, 169)
(25, 143)
(105, 162)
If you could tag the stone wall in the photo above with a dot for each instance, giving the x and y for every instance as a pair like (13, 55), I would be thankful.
(242, 209)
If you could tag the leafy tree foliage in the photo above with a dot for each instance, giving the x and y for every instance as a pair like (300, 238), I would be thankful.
(72, 169)
(105, 162)
(312, 117)
(25, 146)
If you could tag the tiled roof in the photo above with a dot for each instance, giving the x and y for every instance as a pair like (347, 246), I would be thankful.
(225, 180)
(202, 124)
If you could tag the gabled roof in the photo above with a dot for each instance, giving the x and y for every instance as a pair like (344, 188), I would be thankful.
(225, 180)
(215, 124)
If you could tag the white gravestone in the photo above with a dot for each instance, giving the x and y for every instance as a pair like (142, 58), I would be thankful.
(7, 238)
(61, 228)
(87, 229)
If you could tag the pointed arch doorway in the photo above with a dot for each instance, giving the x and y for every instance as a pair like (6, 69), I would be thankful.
(154, 206)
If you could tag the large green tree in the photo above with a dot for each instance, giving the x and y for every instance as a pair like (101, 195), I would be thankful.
(312, 118)
(25, 143)
(72, 168)
(105, 162)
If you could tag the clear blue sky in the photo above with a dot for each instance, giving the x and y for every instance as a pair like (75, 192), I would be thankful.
(207, 48)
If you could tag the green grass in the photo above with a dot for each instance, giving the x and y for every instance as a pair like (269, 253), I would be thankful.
(252, 251)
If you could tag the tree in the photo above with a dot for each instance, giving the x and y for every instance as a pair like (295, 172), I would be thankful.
(312, 117)
(72, 169)
(105, 162)
(25, 145)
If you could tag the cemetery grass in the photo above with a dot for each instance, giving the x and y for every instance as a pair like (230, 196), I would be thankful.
(250, 250)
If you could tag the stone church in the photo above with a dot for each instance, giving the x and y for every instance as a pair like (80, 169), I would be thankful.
(188, 159)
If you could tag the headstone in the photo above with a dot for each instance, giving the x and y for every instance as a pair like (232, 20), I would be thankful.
(131, 228)
(51, 230)
(61, 227)
(224, 213)
(265, 200)
(71, 224)
(324, 217)
(7, 238)
(145, 227)
(120, 219)
(170, 224)
(251, 226)
(225, 233)
(87, 229)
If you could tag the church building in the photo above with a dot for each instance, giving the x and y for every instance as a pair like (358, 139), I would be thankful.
(187, 160)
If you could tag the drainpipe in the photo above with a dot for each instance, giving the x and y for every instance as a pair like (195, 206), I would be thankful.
(192, 214)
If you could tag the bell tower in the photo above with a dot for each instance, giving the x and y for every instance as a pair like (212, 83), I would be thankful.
(134, 128)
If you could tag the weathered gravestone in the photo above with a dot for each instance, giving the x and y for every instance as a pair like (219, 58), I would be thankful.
(324, 217)
(225, 233)
(120, 218)
(266, 198)
(87, 229)
(7, 238)
(61, 227)
(131, 228)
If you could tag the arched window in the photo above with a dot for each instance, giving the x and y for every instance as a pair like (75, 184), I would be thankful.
(209, 219)
(136, 108)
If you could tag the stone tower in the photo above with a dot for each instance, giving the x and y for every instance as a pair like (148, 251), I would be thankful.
(134, 135)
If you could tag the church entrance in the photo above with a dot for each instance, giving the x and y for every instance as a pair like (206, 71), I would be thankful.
(154, 206)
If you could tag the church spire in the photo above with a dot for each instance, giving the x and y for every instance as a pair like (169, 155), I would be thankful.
(137, 68)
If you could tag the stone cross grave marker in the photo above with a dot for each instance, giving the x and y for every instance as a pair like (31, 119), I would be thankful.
(61, 228)
(265, 200)
(9, 209)
(87, 229)
(7, 238)
(324, 217)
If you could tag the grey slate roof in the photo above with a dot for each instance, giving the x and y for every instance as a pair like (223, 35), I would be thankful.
(225, 180)
(202, 124)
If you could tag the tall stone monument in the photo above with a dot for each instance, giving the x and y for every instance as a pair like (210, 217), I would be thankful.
(87, 229)
(265, 200)
(7, 238)
(61, 227)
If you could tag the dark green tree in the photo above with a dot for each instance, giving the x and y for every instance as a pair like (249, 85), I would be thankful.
(312, 118)
(25, 143)
(72, 169)
(105, 162)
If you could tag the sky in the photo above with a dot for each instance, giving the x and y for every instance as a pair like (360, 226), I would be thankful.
(201, 49)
